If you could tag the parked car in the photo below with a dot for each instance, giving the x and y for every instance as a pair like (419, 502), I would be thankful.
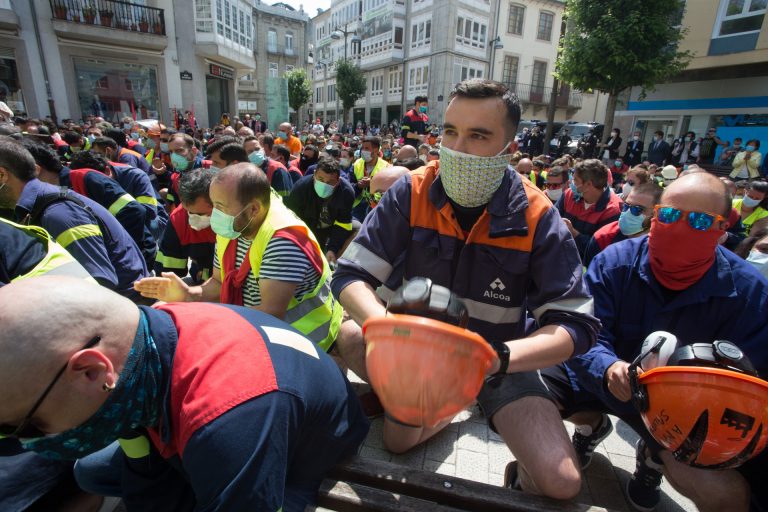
(578, 132)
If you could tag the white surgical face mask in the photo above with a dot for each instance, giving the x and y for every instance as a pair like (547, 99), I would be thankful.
(471, 180)
(199, 222)
(554, 194)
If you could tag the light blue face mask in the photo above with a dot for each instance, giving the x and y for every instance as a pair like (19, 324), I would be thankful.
(256, 157)
(576, 194)
(91, 138)
(282, 135)
(164, 147)
(135, 135)
(150, 144)
(224, 225)
(630, 224)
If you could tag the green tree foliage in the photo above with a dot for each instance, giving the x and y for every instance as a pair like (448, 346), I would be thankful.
(611, 45)
(350, 84)
(299, 88)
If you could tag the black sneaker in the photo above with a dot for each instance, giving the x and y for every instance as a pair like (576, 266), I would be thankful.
(585, 442)
(643, 488)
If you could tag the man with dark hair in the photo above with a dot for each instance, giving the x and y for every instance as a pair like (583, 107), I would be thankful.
(414, 125)
(265, 258)
(634, 221)
(189, 235)
(86, 229)
(134, 181)
(226, 151)
(363, 170)
(685, 150)
(658, 151)
(119, 152)
(469, 222)
(324, 202)
(556, 182)
(677, 279)
(75, 142)
(589, 203)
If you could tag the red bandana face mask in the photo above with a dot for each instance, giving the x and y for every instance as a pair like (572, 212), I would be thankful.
(679, 254)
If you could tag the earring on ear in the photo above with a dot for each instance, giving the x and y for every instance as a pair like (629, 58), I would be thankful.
(108, 388)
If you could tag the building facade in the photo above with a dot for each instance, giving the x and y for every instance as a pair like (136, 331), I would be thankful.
(281, 45)
(724, 85)
(144, 59)
(405, 51)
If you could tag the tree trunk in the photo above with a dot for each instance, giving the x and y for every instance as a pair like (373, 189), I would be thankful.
(551, 114)
(610, 112)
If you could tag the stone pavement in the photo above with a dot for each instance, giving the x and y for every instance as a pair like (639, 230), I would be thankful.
(467, 448)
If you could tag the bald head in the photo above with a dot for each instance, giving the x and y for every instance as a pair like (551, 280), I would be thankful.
(406, 153)
(385, 178)
(243, 182)
(698, 192)
(524, 166)
(46, 323)
(286, 127)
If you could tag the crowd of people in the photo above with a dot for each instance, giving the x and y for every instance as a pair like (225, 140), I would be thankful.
(204, 288)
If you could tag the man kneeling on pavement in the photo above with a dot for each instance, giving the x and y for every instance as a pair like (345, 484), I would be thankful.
(676, 279)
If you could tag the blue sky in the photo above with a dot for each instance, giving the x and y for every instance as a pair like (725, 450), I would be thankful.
(310, 6)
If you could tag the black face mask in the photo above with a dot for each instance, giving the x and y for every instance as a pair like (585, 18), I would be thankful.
(305, 162)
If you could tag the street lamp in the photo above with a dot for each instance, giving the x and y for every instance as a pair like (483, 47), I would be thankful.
(325, 88)
(494, 44)
(338, 33)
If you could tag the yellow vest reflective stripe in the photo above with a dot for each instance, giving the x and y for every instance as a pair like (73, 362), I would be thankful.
(57, 261)
(135, 448)
(359, 170)
(150, 155)
(318, 315)
(120, 203)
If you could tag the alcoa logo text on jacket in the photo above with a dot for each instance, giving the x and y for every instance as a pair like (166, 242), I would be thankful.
(494, 293)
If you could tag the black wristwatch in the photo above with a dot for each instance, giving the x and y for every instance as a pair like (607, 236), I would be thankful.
(502, 350)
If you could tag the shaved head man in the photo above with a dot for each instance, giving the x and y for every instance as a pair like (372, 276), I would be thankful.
(384, 179)
(286, 138)
(524, 167)
(677, 279)
(406, 153)
(70, 389)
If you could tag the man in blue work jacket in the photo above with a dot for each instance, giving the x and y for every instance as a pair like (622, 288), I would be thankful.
(202, 382)
(83, 227)
(677, 279)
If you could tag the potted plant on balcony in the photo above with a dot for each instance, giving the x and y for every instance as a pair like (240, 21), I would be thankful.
(143, 24)
(106, 16)
(60, 11)
(89, 14)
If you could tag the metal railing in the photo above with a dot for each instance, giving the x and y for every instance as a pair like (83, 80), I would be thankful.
(112, 14)
(540, 95)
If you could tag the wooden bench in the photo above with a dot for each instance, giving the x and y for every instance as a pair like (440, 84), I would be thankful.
(368, 485)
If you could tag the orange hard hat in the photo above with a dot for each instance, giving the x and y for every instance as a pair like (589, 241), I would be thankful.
(707, 411)
(155, 130)
(424, 370)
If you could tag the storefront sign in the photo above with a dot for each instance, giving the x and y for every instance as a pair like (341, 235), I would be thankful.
(221, 72)
(185, 75)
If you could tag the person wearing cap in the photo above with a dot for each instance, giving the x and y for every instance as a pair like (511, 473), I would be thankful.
(178, 407)
(589, 203)
(676, 279)
(470, 223)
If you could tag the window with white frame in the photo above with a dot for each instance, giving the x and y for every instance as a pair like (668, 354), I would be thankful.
(288, 43)
(509, 70)
(544, 31)
(331, 95)
(464, 69)
(736, 17)
(318, 94)
(515, 19)
(272, 40)
(377, 86)
(289, 67)
(471, 32)
(272, 70)
(395, 85)
(421, 34)
(232, 20)
(418, 77)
